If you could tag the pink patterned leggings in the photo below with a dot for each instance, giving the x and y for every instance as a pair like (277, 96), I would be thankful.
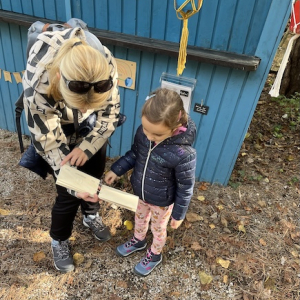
(159, 217)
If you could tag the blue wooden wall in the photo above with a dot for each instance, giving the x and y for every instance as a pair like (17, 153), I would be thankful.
(252, 27)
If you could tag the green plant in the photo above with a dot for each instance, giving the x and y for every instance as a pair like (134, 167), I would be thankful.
(291, 107)
(234, 185)
(293, 181)
(277, 131)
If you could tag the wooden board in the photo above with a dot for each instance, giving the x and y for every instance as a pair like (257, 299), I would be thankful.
(71, 178)
(120, 198)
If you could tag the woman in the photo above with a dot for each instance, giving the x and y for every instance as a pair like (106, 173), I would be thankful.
(71, 80)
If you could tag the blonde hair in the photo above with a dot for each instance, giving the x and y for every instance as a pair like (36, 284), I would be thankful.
(165, 106)
(77, 60)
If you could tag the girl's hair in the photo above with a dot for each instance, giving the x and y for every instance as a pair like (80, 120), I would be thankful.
(77, 60)
(165, 106)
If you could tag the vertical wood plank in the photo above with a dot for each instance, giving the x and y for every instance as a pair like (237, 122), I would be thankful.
(6, 5)
(129, 10)
(144, 12)
(101, 13)
(50, 10)
(240, 26)
(27, 8)
(115, 15)
(207, 19)
(38, 8)
(223, 24)
(88, 12)
(9, 90)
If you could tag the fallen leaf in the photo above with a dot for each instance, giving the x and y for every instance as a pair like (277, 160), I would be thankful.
(4, 212)
(187, 224)
(128, 224)
(294, 253)
(201, 198)
(214, 215)
(295, 236)
(176, 294)
(205, 278)
(224, 263)
(88, 264)
(225, 279)
(247, 135)
(212, 226)
(193, 217)
(269, 284)
(70, 280)
(262, 203)
(171, 242)
(262, 242)
(220, 207)
(78, 258)
(203, 186)
(196, 246)
(122, 284)
(38, 256)
(224, 222)
(241, 228)
(37, 221)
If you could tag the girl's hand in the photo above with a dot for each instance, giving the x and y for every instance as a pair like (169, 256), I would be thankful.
(175, 223)
(110, 177)
(76, 158)
(87, 197)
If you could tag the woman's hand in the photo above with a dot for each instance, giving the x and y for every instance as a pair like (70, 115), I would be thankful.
(175, 223)
(110, 177)
(87, 197)
(76, 158)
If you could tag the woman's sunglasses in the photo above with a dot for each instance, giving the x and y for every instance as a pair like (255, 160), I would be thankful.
(82, 87)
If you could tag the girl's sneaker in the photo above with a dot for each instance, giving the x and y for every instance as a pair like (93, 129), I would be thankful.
(148, 263)
(131, 246)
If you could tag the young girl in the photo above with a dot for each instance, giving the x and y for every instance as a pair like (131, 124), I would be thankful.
(163, 162)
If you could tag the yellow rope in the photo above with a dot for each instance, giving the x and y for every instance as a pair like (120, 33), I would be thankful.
(182, 48)
(185, 32)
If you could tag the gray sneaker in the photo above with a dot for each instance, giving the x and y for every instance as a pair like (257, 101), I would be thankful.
(100, 231)
(63, 260)
(148, 263)
(131, 246)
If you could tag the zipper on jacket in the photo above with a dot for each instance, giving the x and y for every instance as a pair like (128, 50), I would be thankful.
(145, 168)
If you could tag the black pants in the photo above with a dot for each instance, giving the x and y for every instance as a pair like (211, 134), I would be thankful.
(66, 206)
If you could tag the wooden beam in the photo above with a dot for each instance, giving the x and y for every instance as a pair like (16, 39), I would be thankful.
(222, 58)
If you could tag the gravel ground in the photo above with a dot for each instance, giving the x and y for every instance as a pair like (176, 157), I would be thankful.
(252, 224)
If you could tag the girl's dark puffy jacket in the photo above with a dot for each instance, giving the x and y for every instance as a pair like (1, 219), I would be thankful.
(164, 173)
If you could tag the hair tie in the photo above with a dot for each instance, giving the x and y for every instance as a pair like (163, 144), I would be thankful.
(76, 44)
(151, 96)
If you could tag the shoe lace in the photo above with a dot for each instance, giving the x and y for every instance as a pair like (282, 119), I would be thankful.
(96, 223)
(147, 258)
(132, 242)
(63, 250)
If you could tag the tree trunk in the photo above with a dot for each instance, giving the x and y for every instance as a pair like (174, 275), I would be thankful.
(291, 77)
